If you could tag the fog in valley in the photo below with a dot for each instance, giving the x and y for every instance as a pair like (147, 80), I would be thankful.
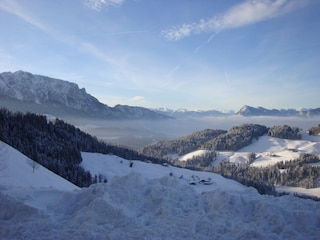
(139, 133)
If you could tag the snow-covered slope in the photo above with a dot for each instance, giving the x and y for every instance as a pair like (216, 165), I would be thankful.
(110, 166)
(269, 151)
(193, 154)
(146, 201)
(17, 170)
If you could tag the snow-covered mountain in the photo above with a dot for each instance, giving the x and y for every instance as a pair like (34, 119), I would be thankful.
(185, 113)
(261, 111)
(244, 111)
(23, 91)
(143, 201)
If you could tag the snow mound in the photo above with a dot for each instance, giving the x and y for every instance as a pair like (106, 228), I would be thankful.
(143, 201)
(134, 207)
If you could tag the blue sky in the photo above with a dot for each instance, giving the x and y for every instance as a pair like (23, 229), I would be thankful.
(194, 54)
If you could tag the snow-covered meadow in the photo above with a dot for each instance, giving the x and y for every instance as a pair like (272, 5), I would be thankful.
(145, 201)
(269, 151)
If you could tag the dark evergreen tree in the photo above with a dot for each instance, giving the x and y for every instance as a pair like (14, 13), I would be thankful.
(285, 132)
(56, 145)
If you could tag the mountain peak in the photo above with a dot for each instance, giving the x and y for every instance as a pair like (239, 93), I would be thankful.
(41, 94)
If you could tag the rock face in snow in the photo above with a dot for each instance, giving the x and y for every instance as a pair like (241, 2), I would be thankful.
(34, 93)
(261, 111)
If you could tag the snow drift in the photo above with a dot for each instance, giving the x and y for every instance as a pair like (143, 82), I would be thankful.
(145, 202)
(132, 207)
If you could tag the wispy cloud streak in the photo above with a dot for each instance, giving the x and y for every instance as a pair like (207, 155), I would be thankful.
(13, 8)
(246, 13)
(97, 5)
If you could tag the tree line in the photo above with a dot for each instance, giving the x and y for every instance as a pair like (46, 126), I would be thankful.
(57, 145)
(294, 173)
(285, 132)
(234, 139)
(182, 145)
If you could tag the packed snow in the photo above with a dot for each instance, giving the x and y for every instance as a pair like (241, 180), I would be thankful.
(144, 201)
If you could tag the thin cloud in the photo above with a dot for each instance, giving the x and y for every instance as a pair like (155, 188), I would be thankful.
(138, 99)
(97, 5)
(13, 8)
(246, 13)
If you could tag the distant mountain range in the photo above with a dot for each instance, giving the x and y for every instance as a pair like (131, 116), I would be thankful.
(190, 113)
(246, 110)
(23, 91)
(27, 92)
(260, 111)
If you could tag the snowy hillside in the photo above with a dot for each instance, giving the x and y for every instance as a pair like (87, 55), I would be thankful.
(269, 151)
(111, 166)
(17, 170)
(144, 201)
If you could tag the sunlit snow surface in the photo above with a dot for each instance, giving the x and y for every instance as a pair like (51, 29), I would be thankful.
(145, 202)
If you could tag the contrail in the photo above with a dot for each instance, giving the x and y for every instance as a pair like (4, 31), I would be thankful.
(211, 37)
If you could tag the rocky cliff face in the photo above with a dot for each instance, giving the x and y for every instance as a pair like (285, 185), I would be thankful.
(40, 93)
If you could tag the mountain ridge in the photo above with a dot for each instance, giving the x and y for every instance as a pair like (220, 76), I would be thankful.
(261, 111)
(24, 91)
(246, 110)
(178, 113)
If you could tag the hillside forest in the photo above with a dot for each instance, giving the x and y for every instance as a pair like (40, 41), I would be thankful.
(298, 172)
(57, 146)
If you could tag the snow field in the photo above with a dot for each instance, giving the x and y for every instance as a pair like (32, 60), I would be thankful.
(269, 151)
(111, 166)
(193, 154)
